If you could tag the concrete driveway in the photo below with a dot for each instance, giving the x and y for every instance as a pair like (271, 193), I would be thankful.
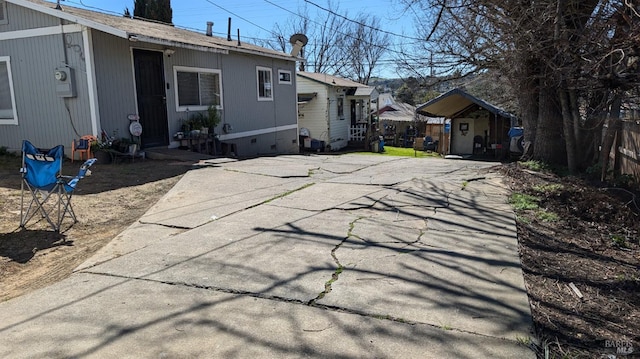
(351, 256)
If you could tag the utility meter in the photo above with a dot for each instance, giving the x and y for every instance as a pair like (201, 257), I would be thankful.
(60, 75)
(65, 82)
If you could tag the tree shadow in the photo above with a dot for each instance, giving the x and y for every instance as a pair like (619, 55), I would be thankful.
(180, 305)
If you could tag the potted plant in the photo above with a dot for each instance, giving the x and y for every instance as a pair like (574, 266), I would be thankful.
(195, 124)
(212, 118)
(126, 145)
(101, 150)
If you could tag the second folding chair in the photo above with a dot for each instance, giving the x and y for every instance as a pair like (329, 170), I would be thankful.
(82, 146)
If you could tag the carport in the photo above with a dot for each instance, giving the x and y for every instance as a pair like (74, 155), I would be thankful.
(477, 127)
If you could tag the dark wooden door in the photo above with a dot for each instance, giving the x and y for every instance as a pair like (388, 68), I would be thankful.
(352, 112)
(152, 98)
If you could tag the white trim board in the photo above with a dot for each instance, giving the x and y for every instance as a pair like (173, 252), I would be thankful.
(262, 131)
(41, 31)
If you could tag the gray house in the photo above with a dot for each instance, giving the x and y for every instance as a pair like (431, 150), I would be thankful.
(69, 72)
(331, 109)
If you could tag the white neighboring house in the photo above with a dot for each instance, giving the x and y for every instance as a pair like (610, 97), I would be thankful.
(329, 106)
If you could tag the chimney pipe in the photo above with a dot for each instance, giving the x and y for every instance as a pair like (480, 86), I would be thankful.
(209, 28)
(229, 31)
(239, 38)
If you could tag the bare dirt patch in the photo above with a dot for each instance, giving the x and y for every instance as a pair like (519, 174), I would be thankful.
(106, 203)
(589, 236)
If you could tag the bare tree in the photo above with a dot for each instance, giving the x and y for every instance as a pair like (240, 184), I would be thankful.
(337, 44)
(365, 44)
(562, 56)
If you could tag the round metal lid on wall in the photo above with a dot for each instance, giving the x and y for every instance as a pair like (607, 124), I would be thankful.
(135, 128)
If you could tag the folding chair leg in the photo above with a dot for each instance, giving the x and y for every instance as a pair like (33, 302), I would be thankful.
(62, 208)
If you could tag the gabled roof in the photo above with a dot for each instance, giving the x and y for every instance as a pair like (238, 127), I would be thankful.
(391, 110)
(330, 80)
(455, 102)
(148, 31)
(355, 88)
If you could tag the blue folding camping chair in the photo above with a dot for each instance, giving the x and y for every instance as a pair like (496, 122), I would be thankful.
(50, 191)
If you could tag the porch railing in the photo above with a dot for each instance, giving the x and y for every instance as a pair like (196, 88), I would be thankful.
(358, 132)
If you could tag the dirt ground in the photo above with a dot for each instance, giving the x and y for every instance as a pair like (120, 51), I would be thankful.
(580, 234)
(105, 203)
(592, 242)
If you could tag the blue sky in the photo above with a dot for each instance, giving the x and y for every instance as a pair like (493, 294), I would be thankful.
(256, 18)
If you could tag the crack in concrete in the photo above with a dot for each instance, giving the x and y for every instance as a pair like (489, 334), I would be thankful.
(336, 274)
(167, 225)
(311, 303)
(266, 201)
(266, 174)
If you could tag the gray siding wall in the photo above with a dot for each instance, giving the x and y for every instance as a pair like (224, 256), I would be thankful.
(44, 118)
(114, 82)
(241, 109)
(189, 58)
(48, 119)
(245, 113)
(21, 19)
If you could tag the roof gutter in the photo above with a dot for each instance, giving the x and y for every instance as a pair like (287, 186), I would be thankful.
(284, 56)
(163, 42)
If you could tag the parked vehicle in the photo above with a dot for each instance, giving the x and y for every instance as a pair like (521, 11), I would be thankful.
(516, 142)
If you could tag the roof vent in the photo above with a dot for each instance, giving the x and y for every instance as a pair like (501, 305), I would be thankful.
(298, 41)
(209, 28)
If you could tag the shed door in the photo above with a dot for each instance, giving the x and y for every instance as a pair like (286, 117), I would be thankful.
(462, 141)
(152, 98)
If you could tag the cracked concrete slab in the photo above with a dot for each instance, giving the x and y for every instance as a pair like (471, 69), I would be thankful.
(134, 238)
(210, 193)
(379, 256)
(157, 320)
(324, 196)
(289, 258)
(475, 289)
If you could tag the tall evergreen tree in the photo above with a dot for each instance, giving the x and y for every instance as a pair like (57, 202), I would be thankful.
(140, 8)
(159, 10)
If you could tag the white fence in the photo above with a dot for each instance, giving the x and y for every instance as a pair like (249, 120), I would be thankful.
(358, 132)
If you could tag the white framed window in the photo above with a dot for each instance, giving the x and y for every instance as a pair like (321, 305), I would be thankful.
(3, 13)
(8, 113)
(284, 77)
(197, 88)
(265, 84)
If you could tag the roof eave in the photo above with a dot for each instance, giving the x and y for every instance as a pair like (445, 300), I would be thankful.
(143, 38)
(165, 42)
(282, 56)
